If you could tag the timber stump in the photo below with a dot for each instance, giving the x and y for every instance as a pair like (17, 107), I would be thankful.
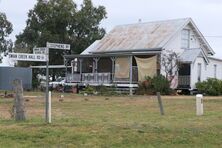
(19, 105)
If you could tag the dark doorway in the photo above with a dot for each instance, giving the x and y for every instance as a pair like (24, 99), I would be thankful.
(184, 77)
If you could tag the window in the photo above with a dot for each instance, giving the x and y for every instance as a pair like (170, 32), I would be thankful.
(199, 72)
(215, 71)
(185, 38)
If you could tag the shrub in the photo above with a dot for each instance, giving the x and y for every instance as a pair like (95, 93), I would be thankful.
(106, 91)
(89, 90)
(99, 90)
(212, 87)
(161, 84)
(156, 84)
(145, 87)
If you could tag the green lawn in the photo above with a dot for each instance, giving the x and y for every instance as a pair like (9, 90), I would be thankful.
(113, 122)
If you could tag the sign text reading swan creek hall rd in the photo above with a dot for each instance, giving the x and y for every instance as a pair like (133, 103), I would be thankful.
(28, 57)
(58, 46)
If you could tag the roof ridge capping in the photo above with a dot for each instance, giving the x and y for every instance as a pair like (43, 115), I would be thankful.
(157, 21)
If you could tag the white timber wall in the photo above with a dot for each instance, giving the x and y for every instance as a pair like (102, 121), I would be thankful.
(210, 72)
(194, 72)
(175, 45)
(207, 70)
(175, 42)
(194, 41)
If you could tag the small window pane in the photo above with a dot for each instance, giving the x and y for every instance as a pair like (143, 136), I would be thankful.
(185, 38)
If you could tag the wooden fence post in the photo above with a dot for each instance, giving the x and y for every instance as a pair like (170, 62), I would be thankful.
(19, 105)
(160, 103)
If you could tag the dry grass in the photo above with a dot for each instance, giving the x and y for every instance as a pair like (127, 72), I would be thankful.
(95, 121)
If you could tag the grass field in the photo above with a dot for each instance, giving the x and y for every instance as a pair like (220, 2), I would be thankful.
(94, 121)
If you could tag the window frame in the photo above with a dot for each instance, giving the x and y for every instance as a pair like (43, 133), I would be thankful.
(185, 38)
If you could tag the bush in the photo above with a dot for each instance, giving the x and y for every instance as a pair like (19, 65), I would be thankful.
(161, 84)
(99, 90)
(106, 91)
(145, 87)
(156, 84)
(212, 87)
(89, 90)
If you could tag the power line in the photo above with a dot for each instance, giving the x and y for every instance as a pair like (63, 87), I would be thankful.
(218, 37)
(213, 36)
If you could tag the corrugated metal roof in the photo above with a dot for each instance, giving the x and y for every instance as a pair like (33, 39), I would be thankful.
(140, 36)
(91, 48)
(190, 55)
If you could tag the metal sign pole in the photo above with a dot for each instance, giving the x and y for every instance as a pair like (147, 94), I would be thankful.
(48, 46)
(47, 92)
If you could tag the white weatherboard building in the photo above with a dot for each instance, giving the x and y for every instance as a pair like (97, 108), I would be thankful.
(130, 52)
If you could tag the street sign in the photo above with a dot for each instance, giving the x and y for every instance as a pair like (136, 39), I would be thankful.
(58, 46)
(28, 57)
(41, 50)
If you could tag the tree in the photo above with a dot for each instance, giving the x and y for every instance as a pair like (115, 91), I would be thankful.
(60, 21)
(5, 31)
(171, 64)
(86, 25)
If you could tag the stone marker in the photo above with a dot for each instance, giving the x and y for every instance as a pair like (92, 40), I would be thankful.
(199, 105)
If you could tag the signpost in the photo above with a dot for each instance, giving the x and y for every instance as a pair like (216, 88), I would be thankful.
(41, 50)
(41, 54)
(58, 46)
(48, 103)
(28, 57)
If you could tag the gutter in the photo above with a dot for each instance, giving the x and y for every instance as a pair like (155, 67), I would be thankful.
(128, 51)
(119, 54)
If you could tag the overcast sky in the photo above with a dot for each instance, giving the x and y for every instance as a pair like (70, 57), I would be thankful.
(207, 14)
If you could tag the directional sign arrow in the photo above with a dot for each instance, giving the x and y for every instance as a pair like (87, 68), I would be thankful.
(58, 46)
(28, 57)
